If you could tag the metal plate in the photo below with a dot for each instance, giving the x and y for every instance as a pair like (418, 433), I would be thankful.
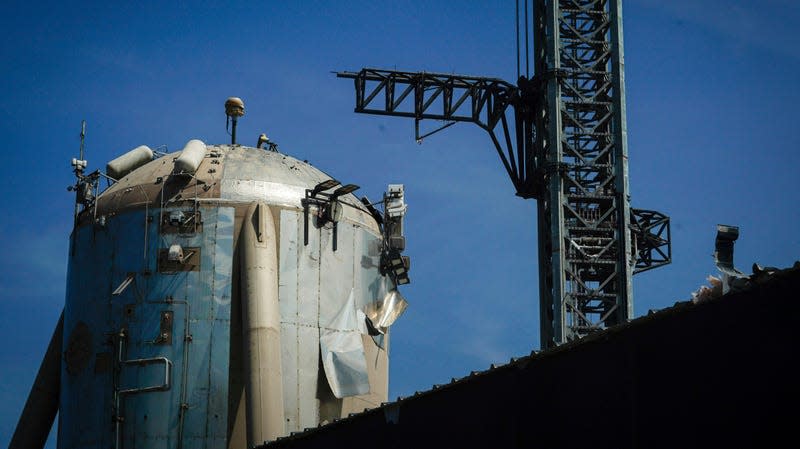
(191, 263)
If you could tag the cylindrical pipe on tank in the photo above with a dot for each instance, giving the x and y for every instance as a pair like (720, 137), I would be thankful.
(261, 327)
(41, 407)
(191, 157)
(129, 162)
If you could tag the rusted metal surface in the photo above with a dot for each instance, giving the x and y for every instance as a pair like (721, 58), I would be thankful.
(155, 373)
(227, 173)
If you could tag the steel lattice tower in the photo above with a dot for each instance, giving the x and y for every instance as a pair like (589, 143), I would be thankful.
(564, 144)
(585, 258)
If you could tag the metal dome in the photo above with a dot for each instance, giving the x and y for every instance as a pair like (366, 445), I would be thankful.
(226, 173)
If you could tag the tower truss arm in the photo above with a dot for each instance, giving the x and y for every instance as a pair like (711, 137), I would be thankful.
(652, 239)
(503, 110)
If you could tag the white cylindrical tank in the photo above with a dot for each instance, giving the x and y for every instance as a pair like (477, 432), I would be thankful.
(129, 162)
(216, 310)
(190, 158)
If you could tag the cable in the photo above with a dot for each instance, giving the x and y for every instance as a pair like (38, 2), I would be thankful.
(517, 24)
(527, 71)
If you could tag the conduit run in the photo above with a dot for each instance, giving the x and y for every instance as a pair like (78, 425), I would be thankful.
(261, 326)
(41, 407)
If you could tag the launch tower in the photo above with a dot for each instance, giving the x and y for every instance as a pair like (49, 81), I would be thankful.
(561, 136)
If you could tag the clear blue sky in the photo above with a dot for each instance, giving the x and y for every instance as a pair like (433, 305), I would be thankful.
(712, 89)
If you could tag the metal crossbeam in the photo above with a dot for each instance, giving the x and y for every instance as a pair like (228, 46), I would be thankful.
(566, 146)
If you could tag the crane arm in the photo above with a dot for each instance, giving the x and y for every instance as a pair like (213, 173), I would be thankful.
(486, 102)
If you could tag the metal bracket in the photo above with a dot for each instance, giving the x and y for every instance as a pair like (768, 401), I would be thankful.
(650, 232)
(165, 332)
(325, 202)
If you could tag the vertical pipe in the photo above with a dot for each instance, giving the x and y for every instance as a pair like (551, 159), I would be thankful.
(41, 407)
(233, 131)
(261, 326)
(517, 25)
(527, 52)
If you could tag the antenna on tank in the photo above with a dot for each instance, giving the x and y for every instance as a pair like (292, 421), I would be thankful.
(234, 108)
(78, 165)
(83, 136)
(85, 186)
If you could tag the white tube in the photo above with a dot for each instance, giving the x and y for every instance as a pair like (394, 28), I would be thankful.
(129, 162)
(191, 157)
(261, 327)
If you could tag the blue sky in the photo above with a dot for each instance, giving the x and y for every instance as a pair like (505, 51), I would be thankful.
(713, 138)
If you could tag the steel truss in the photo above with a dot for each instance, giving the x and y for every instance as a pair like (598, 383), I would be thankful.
(561, 137)
(585, 255)
(502, 109)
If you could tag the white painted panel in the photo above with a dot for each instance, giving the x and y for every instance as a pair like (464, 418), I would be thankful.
(287, 279)
(308, 372)
(289, 359)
